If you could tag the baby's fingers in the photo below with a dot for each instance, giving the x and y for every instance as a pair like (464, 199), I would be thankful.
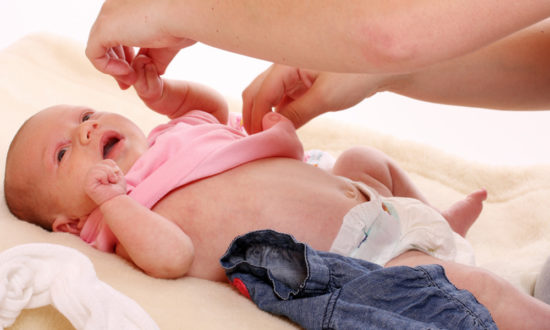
(154, 82)
(114, 176)
(148, 84)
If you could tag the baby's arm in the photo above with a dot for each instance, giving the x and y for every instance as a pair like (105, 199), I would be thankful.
(155, 244)
(175, 97)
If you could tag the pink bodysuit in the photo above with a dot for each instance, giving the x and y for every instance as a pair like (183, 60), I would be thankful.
(190, 148)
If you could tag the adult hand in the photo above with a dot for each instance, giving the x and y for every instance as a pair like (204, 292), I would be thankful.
(301, 95)
(124, 24)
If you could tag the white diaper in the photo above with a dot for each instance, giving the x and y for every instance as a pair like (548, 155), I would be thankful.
(383, 228)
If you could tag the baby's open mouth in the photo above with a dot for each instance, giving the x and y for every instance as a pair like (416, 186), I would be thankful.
(109, 145)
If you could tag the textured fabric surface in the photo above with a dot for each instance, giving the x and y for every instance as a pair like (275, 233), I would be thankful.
(510, 237)
(286, 277)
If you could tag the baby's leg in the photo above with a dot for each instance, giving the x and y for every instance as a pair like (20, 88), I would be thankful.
(509, 307)
(462, 214)
(380, 172)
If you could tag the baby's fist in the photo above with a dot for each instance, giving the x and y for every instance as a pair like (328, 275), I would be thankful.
(104, 181)
(149, 84)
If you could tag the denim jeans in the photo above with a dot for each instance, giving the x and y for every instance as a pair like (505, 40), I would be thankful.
(321, 290)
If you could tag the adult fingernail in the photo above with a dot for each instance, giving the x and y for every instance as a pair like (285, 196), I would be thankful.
(274, 117)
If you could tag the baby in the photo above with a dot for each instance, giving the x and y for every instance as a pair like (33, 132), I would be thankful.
(175, 200)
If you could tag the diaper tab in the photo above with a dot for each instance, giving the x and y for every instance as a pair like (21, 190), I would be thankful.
(368, 232)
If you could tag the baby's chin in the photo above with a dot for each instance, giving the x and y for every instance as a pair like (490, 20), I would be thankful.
(129, 157)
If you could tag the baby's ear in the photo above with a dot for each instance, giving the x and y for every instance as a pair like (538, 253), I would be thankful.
(66, 225)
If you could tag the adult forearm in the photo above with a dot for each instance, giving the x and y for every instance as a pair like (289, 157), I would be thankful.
(512, 73)
(356, 36)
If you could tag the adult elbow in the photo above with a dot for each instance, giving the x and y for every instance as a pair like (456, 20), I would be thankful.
(388, 48)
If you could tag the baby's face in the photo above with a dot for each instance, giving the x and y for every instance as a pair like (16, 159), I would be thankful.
(60, 144)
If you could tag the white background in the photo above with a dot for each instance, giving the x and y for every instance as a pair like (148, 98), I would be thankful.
(487, 136)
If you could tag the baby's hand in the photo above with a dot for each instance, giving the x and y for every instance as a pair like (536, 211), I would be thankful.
(104, 181)
(149, 84)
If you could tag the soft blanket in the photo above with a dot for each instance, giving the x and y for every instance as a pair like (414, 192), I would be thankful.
(39, 274)
(510, 237)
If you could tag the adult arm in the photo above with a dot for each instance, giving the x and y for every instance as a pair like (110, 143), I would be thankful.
(344, 36)
(512, 73)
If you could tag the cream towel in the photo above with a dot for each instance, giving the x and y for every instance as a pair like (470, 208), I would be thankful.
(38, 274)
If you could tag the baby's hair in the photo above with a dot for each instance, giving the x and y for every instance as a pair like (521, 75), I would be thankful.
(20, 191)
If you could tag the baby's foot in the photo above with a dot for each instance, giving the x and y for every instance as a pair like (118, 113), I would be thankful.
(462, 214)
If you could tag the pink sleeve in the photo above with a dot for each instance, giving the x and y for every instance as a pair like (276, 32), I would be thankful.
(96, 233)
(193, 117)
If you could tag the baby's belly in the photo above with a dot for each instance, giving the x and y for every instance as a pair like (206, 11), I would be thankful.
(280, 194)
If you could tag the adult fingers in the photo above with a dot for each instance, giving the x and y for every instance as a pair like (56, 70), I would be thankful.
(304, 108)
(330, 92)
(248, 99)
(101, 52)
(279, 83)
(126, 54)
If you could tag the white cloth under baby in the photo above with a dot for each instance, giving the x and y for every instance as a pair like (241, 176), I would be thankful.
(40, 274)
(383, 228)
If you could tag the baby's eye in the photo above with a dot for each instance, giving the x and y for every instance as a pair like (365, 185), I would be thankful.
(60, 154)
(87, 116)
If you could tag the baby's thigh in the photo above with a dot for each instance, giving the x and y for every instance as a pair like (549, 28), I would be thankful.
(367, 165)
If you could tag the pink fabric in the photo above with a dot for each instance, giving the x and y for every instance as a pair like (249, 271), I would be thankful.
(196, 146)
(190, 148)
(96, 233)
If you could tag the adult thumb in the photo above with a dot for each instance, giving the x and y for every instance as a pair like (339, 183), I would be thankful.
(303, 109)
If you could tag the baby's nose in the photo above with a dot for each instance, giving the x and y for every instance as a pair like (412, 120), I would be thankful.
(86, 129)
